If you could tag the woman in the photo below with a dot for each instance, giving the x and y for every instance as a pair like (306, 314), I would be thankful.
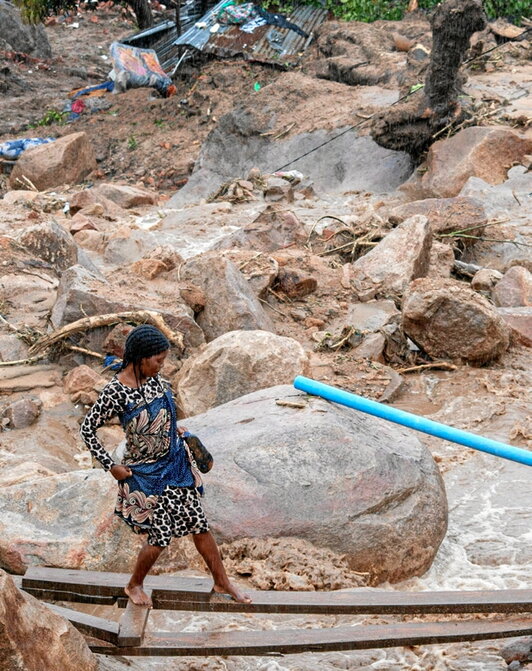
(157, 481)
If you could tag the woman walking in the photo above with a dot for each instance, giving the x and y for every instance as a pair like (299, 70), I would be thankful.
(158, 481)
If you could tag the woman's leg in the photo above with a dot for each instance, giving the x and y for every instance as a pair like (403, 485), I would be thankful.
(206, 546)
(147, 557)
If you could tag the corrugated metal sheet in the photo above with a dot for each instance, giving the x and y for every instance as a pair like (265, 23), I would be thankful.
(267, 44)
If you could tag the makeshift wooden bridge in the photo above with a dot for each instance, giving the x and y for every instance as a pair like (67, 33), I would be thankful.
(129, 637)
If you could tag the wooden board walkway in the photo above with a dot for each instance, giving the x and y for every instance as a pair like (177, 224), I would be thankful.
(171, 593)
(128, 636)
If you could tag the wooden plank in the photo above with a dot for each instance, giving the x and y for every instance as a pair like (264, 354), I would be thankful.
(133, 623)
(98, 627)
(361, 601)
(74, 597)
(164, 644)
(174, 593)
(99, 583)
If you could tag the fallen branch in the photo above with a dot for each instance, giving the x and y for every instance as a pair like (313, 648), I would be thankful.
(440, 365)
(87, 323)
(22, 362)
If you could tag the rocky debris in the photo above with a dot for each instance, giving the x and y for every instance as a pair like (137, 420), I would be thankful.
(80, 222)
(17, 35)
(273, 229)
(150, 269)
(281, 471)
(83, 384)
(20, 414)
(520, 322)
(126, 196)
(277, 188)
(514, 289)
(230, 303)
(91, 202)
(484, 152)
(20, 197)
(94, 241)
(236, 364)
(127, 245)
(441, 260)
(260, 270)
(448, 319)
(288, 564)
(55, 644)
(82, 294)
(67, 160)
(116, 340)
(519, 650)
(294, 283)
(485, 279)
(372, 316)
(72, 525)
(403, 255)
(446, 215)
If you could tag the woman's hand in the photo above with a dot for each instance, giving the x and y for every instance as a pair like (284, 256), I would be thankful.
(181, 430)
(120, 472)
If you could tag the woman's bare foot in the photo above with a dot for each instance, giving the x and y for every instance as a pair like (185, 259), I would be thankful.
(138, 596)
(231, 592)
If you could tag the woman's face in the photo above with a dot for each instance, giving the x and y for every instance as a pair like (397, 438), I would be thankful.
(153, 364)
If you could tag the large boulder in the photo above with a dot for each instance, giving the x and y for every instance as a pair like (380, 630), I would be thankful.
(321, 472)
(231, 304)
(484, 152)
(235, 364)
(126, 196)
(21, 36)
(448, 319)
(402, 256)
(71, 525)
(34, 638)
(67, 160)
(82, 294)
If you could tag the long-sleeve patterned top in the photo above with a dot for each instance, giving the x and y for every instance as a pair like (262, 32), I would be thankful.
(147, 415)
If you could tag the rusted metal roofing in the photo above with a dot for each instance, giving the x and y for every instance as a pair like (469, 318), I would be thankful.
(266, 44)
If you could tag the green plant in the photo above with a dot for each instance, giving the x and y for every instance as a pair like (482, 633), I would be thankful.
(159, 123)
(132, 143)
(50, 117)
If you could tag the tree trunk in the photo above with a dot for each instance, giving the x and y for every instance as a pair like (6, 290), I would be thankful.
(411, 125)
(143, 14)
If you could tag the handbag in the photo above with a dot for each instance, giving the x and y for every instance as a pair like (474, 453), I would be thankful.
(199, 452)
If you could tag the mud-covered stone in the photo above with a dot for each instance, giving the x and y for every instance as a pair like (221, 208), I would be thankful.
(236, 364)
(22, 413)
(295, 283)
(126, 196)
(485, 279)
(520, 322)
(448, 319)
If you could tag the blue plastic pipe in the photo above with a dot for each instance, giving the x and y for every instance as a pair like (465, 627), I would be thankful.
(413, 421)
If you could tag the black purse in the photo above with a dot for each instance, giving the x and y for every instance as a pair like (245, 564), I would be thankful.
(199, 452)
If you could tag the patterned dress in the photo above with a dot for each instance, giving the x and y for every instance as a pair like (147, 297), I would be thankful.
(161, 498)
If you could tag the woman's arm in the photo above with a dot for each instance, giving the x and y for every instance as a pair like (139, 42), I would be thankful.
(105, 408)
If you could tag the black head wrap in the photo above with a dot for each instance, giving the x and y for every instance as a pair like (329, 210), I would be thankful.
(144, 341)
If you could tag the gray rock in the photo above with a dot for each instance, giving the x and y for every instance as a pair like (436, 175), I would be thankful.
(514, 289)
(230, 304)
(12, 348)
(21, 36)
(372, 316)
(340, 479)
(519, 650)
(402, 256)
(235, 364)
